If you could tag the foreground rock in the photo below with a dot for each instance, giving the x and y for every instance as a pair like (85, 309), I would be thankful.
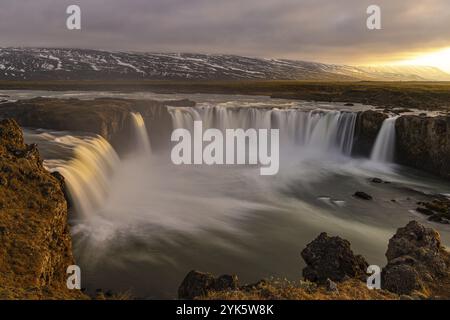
(416, 260)
(418, 268)
(197, 284)
(35, 245)
(331, 258)
(199, 287)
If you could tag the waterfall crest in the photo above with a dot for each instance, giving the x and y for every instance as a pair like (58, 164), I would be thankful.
(140, 134)
(384, 147)
(322, 130)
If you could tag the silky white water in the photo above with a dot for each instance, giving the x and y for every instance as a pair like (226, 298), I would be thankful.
(305, 132)
(384, 147)
(140, 136)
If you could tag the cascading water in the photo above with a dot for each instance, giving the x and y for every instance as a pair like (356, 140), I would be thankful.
(317, 130)
(140, 134)
(384, 147)
(88, 173)
(151, 221)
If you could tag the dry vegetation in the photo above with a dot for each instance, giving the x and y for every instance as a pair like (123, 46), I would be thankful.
(352, 289)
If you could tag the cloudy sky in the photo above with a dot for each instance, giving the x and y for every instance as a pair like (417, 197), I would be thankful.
(318, 30)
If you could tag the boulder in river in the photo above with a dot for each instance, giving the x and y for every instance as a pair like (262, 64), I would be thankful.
(362, 195)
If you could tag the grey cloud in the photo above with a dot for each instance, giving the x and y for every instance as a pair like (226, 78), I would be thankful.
(329, 31)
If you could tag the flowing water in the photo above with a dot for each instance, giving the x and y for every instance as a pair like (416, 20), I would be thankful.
(384, 148)
(140, 223)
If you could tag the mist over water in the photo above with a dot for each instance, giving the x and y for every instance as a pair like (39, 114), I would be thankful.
(142, 223)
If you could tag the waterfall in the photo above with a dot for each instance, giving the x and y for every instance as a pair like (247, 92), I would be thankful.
(384, 148)
(88, 173)
(140, 134)
(93, 163)
(321, 130)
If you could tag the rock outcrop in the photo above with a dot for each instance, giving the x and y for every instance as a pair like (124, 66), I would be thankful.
(331, 258)
(35, 244)
(418, 268)
(424, 143)
(416, 260)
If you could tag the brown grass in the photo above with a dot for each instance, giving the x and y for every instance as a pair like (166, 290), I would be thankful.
(300, 290)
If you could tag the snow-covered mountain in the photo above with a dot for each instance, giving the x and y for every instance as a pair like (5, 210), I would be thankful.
(81, 64)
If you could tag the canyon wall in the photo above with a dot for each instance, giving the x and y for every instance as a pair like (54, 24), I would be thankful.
(368, 124)
(422, 142)
(108, 117)
(35, 244)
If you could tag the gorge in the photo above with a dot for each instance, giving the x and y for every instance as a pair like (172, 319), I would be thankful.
(131, 207)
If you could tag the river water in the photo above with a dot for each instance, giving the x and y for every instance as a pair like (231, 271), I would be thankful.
(141, 223)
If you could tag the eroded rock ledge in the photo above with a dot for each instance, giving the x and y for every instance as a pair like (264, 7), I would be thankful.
(35, 244)
(418, 268)
(422, 142)
(107, 117)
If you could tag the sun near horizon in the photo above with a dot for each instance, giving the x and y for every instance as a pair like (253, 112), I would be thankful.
(438, 58)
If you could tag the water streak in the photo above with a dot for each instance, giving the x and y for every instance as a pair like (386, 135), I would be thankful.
(384, 147)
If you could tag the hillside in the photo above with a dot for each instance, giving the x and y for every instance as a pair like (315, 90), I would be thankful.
(81, 64)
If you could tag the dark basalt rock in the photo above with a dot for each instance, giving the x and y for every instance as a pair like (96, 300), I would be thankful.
(415, 258)
(197, 284)
(440, 218)
(368, 124)
(438, 209)
(331, 258)
(425, 211)
(377, 180)
(424, 143)
(362, 195)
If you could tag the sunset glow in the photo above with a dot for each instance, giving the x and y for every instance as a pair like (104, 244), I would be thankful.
(439, 59)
